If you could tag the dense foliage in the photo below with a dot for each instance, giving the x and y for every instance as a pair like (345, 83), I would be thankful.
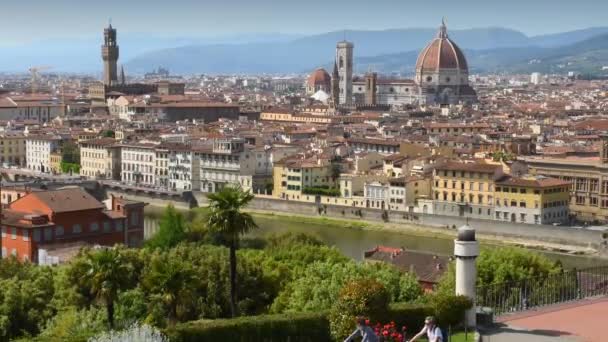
(322, 191)
(184, 276)
(363, 297)
(502, 265)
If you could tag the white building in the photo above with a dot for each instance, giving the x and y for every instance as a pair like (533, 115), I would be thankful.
(138, 163)
(184, 169)
(376, 195)
(536, 78)
(161, 170)
(228, 161)
(38, 152)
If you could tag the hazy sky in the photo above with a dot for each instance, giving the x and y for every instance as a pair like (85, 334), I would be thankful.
(49, 19)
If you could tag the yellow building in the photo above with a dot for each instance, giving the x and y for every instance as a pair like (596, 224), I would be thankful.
(292, 177)
(465, 189)
(55, 162)
(12, 149)
(534, 200)
(100, 158)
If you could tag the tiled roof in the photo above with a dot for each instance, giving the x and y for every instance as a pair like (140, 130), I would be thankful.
(475, 167)
(67, 200)
(427, 267)
(541, 182)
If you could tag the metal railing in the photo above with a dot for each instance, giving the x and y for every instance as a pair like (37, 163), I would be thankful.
(567, 286)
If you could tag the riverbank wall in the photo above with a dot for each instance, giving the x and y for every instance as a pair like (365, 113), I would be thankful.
(494, 230)
(541, 233)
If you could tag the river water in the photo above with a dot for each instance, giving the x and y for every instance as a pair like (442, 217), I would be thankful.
(353, 241)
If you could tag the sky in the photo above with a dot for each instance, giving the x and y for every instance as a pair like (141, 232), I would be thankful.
(33, 20)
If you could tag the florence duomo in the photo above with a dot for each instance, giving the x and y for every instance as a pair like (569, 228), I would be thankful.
(441, 77)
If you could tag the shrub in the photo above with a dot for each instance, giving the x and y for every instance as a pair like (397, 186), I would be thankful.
(449, 309)
(322, 191)
(363, 297)
(270, 328)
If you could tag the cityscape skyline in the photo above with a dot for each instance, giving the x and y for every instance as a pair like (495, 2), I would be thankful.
(58, 20)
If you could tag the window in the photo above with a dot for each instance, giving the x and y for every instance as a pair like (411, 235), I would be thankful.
(48, 234)
(580, 200)
(3, 231)
(522, 204)
(25, 235)
(118, 225)
(76, 229)
(13, 233)
(593, 201)
(4, 252)
(94, 226)
(59, 231)
(106, 226)
(134, 219)
(36, 235)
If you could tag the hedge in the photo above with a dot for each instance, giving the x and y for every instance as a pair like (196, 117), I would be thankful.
(303, 327)
(322, 191)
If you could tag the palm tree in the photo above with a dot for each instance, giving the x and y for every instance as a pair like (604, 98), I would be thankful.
(171, 281)
(108, 274)
(226, 217)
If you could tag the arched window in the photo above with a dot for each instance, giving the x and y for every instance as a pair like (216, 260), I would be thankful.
(341, 62)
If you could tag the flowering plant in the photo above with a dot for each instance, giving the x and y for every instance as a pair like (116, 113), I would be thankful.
(390, 332)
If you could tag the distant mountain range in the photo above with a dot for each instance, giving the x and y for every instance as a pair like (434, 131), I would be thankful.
(587, 57)
(388, 51)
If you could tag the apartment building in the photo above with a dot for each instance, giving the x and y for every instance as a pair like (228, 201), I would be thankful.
(39, 224)
(100, 159)
(465, 189)
(161, 169)
(138, 164)
(183, 168)
(533, 200)
(230, 161)
(12, 149)
(38, 151)
(588, 178)
(294, 176)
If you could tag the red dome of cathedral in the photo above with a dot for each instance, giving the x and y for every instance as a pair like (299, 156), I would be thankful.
(319, 77)
(441, 53)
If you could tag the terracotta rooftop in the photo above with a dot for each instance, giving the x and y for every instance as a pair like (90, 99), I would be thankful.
(474, 167)
(65, 200)
(540, 182)
(427, 267)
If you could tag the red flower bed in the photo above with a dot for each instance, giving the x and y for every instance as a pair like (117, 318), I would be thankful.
(389, 332)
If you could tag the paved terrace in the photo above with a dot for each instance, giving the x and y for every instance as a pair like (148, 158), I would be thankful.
(582, 321)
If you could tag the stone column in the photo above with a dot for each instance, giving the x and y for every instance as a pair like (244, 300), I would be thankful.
(466, 250)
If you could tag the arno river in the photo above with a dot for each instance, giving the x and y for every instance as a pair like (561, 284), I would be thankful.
(353, 242)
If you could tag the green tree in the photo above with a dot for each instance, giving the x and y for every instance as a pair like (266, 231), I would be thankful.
(108, 275)
(70, 153)
(171, 230)
(226, 216)
(501, 265)
(109, 134)
(170, 281)
(362, 297)
(26, 291)
(317, 287)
